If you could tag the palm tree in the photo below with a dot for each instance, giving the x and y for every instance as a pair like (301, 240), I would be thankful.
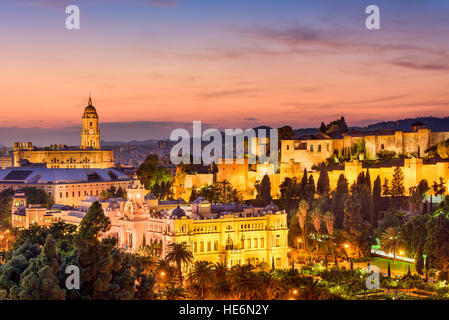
(310, 289)
(244, 282)
(179, 253)
(338, 240)
(201, 276)
(173, 292)
(439, 188)
(391, 240)
(316, 219)
(302, 218)
(269, 284)
(329, 219)
(222, 283)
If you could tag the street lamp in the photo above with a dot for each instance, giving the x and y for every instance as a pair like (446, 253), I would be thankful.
(298, 241)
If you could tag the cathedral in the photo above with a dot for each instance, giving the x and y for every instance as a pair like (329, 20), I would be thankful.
(88, 155)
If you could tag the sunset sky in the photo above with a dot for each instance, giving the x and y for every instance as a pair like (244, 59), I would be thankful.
(230, 64)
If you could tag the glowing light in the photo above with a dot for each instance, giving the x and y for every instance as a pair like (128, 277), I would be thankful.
(346, 245)
(162, 274)
(401, 253)
(299, 239)
(295, 291)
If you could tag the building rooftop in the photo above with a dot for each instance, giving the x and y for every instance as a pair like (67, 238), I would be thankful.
(51, 175)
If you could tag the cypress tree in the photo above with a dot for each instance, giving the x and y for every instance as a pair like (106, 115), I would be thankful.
(375, 201)
(303, 185)
(419, 260)
(339, 196)
(263, 197)
(323, 184)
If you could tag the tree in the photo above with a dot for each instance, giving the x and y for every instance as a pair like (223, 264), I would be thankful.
(179, 253)
(104, 270)
(302, 219)
(356, 230)
(329, 220)
(270, 285)
(37, 196)
(244, 282)
(419, 260)
(173, 292)
(309, 192)
(39, 280)
(193, 196)
(220, 192)
(201, 277)
(439, 188)
(417, 195)
(389, 270)
(339, 196)
(375, 201)
(150, 172)
(323, 185)
(391, 241)
(316, 219)
(397, 183)
(386, 191)
(263, 197)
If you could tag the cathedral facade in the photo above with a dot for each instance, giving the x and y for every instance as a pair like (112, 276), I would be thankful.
(88, 155)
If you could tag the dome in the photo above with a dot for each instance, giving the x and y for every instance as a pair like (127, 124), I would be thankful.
(177, 213)
(272, 207)
(90, 110)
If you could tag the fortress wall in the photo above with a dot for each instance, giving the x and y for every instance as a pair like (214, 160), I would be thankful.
(198, 180)
(437, 137)
(410, 142)
(236, 174)
(371, 146)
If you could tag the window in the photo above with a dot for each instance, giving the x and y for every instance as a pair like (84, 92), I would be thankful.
(311, 147)
(249, 243)
(262, 242)
(288, 147)
(195, 247)
(255, 243)
(216, 246)
(278, 241)
(327, 147)
(202, 246)
(319, 148)
(209, 246)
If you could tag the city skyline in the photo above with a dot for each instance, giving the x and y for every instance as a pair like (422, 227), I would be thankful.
(161, 61)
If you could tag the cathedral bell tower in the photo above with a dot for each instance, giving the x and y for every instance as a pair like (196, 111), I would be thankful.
(90, 134)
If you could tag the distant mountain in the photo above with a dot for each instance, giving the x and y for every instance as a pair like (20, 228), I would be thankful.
(433, 123)
(133, 143)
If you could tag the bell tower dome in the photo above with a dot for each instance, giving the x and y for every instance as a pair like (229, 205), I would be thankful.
(90, 134)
